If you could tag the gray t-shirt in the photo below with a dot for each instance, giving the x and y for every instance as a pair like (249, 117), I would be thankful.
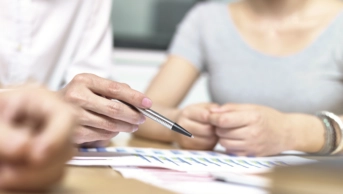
(306, 82)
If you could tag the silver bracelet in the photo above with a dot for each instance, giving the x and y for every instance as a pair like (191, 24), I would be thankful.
(329, 134)
(339, 131)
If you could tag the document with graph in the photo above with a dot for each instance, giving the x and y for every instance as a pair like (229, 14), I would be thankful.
(181, 160)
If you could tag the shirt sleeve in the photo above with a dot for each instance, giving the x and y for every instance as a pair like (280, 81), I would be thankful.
(93, 54)
(187, 41)
(336, 39)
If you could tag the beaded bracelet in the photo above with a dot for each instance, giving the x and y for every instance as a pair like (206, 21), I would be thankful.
(339, 124)
(329, 135)
(338, 146)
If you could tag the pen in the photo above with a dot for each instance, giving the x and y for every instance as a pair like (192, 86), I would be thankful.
(160, 119)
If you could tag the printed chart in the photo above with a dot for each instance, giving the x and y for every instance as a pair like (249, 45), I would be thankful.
(183, 160)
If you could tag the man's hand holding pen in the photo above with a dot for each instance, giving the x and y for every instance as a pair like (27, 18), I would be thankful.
(101, 118)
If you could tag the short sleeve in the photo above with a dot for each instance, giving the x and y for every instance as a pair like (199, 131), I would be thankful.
(337, 39)
(187, 41)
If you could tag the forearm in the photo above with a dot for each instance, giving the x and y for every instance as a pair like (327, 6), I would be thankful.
(155, 131)
(167, 91)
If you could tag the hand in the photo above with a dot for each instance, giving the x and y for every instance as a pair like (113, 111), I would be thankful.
(251, 130)
(101, 118)
(195, 119)
(35, 138)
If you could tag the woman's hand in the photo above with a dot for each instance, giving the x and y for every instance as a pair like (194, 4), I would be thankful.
(195, 119)
(252, 130)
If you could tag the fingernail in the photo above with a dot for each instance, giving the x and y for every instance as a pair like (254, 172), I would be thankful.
(135, 128)
(146, 102)
(142, 120)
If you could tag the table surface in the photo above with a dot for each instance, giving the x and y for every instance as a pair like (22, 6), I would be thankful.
(104, 180)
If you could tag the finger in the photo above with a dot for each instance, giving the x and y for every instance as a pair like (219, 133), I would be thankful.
(234, 134)
(91, 134)
(198, 115)
(28, 178)
(56, 133)
(113, 109)
(95, 120)
(9, 106)
(116, 90)
(199, 112)
(232, 107)
(14, 143)
(60, 155)
(232, 145)
(197, 129)
(231, 120)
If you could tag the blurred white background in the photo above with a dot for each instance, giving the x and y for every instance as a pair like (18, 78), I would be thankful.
(142, 32)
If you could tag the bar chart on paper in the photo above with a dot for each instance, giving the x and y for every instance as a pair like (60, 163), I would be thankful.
(182, 160)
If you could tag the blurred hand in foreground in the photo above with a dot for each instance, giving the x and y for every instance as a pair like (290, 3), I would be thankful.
(35, 138)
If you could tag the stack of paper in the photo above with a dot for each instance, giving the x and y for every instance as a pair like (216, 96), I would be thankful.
(182, 182)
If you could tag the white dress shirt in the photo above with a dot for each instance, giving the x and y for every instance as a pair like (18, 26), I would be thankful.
(38, 37)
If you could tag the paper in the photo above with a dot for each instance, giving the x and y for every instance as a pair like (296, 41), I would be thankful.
(182, 160)
(182, 182)
(242, 179)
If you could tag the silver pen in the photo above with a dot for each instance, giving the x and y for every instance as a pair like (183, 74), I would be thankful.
(160, 119)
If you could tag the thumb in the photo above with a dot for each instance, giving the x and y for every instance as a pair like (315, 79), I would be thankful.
(230, 107)
(201, 112)
(213, 106)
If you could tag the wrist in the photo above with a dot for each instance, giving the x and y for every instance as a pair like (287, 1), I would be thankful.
(307, 133)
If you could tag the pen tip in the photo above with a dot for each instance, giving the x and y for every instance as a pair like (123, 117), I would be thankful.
(192, 136)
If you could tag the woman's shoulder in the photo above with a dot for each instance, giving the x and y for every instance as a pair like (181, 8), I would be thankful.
(208, 7)
(335, 15)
